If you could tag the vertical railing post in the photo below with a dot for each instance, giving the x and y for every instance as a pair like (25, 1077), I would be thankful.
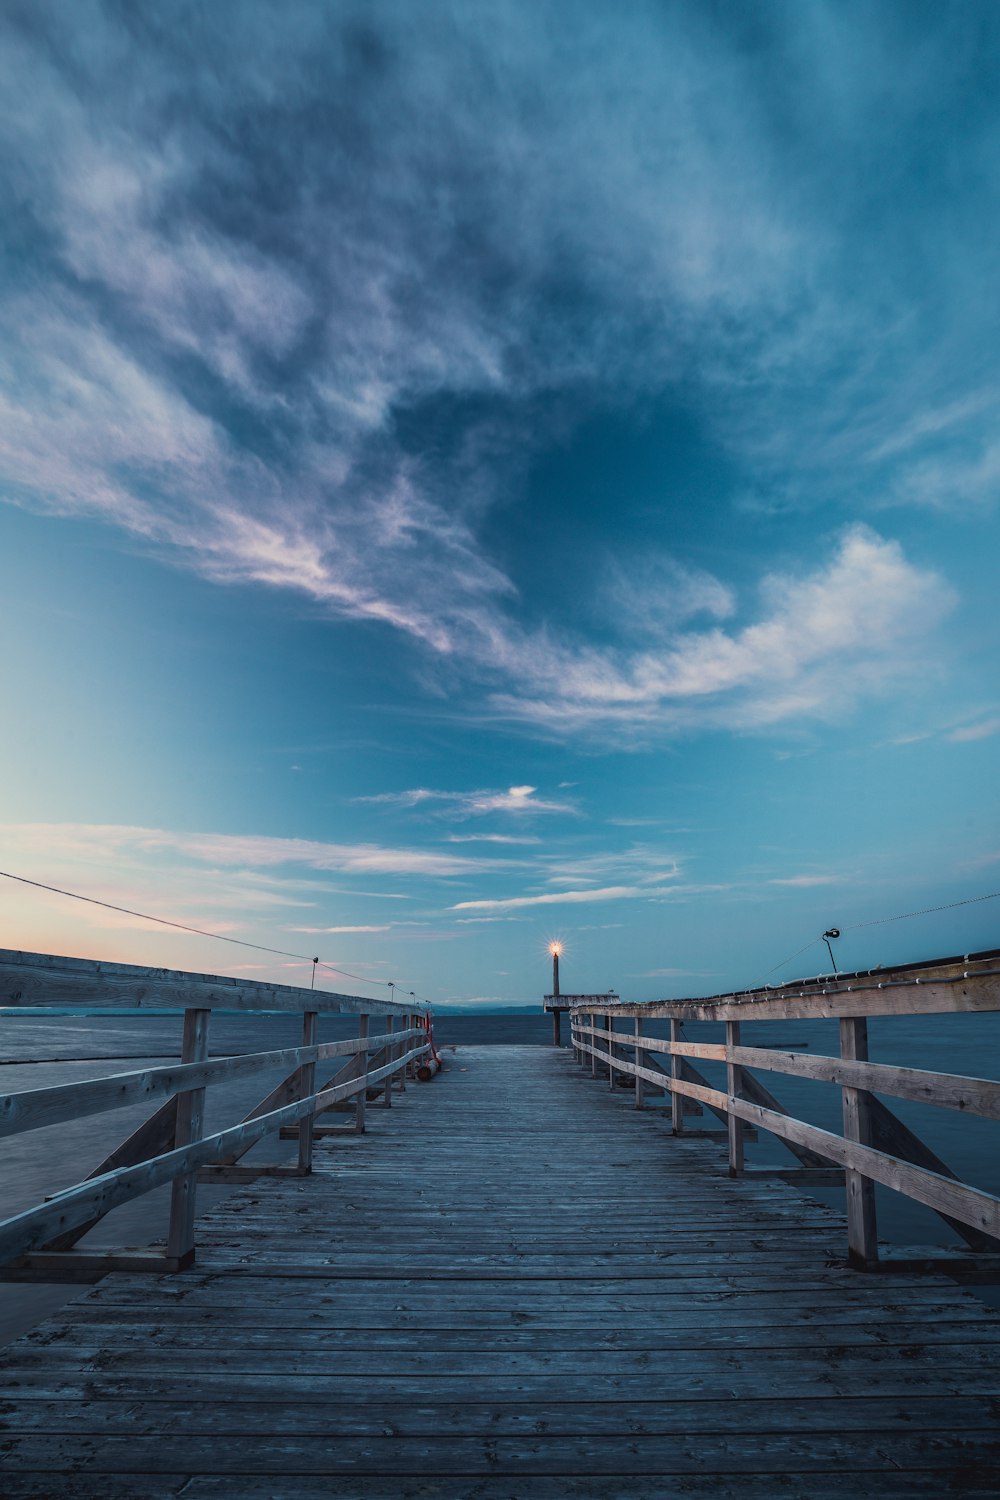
(400, 1077)
(639, 1056)
(307, 1086)
(390, 1058)
(359, 1105)
(609, 1023)
(676, 1099)
(734, 1083)
(862, 1235)
(190, 1123)
(594, 1018)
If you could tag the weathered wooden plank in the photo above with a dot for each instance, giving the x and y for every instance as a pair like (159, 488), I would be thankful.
(543, 1338)
(258, 1354)
(153, 1137)
(918, 1376)
(452, 1322)
(26, 1485)
(652, 1417)
(975, 1096)
(252, 1452)
(33, 1109)
(957, 985)
(888, 1133)
(862, 1238)
(190, 1120)
(39, 979)
(967, 1204)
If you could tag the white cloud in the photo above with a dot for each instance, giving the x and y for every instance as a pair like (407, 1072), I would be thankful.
(639, 863)
(825, 639)
(103, 844)
(516, 799)
(652, 594)
(972, 732)
(557, 898)
(317, 930)
(493, 838)
(808, 880)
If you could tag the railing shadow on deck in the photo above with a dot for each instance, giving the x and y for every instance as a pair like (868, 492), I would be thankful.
(876, 1146)
(170, 1146)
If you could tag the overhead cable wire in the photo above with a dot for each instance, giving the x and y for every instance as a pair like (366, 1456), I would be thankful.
(788, 960)
(881, 921)
(927, 910)
(198, 931)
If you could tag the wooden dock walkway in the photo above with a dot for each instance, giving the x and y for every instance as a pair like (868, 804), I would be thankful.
(513, 1285)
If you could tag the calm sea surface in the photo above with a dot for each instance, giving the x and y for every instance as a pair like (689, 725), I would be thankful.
(36, 1052)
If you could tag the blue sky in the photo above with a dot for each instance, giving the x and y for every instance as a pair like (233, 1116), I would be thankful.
(469, 480)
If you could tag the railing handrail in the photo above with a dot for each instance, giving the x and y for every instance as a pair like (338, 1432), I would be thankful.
(970, 1095)
(933, 986)
(34, 1109)
(57, 980)
(875, 1147)
(170, 1146)
(77, 1205)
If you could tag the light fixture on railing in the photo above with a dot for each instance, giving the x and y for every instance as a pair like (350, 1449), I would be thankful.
(831, 932)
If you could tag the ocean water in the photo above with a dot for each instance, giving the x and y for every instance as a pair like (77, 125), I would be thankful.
(37, 1052)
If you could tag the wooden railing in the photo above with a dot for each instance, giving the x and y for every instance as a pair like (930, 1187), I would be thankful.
(170, 1146)
(876, 1146)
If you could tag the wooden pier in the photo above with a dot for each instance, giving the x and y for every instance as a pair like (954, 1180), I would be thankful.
(513, 1284)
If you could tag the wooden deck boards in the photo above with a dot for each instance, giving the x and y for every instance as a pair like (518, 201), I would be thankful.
(514, 1287)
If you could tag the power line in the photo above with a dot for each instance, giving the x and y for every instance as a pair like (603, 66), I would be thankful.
(219, 937)
(788, 960)
(902, 916)
(948, 906)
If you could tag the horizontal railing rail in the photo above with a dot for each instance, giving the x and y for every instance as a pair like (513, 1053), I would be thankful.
(48, 979)
(170, 1147)
(875, 1146)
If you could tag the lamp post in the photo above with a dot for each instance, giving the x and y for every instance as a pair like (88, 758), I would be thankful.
(555, 949)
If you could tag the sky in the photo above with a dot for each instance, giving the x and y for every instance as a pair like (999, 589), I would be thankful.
(469, 480)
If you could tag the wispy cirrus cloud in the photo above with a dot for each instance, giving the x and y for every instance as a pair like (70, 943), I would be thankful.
(971, 732)
(569, 898)
(103, 844)
(218, 333)
(516, 799)
(385, 927)
(639, 863)
(493, 838)
(823, 640)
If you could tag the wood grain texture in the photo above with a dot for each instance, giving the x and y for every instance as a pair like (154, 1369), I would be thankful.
(443, 1310)
(32, 1109)
(51, 979)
